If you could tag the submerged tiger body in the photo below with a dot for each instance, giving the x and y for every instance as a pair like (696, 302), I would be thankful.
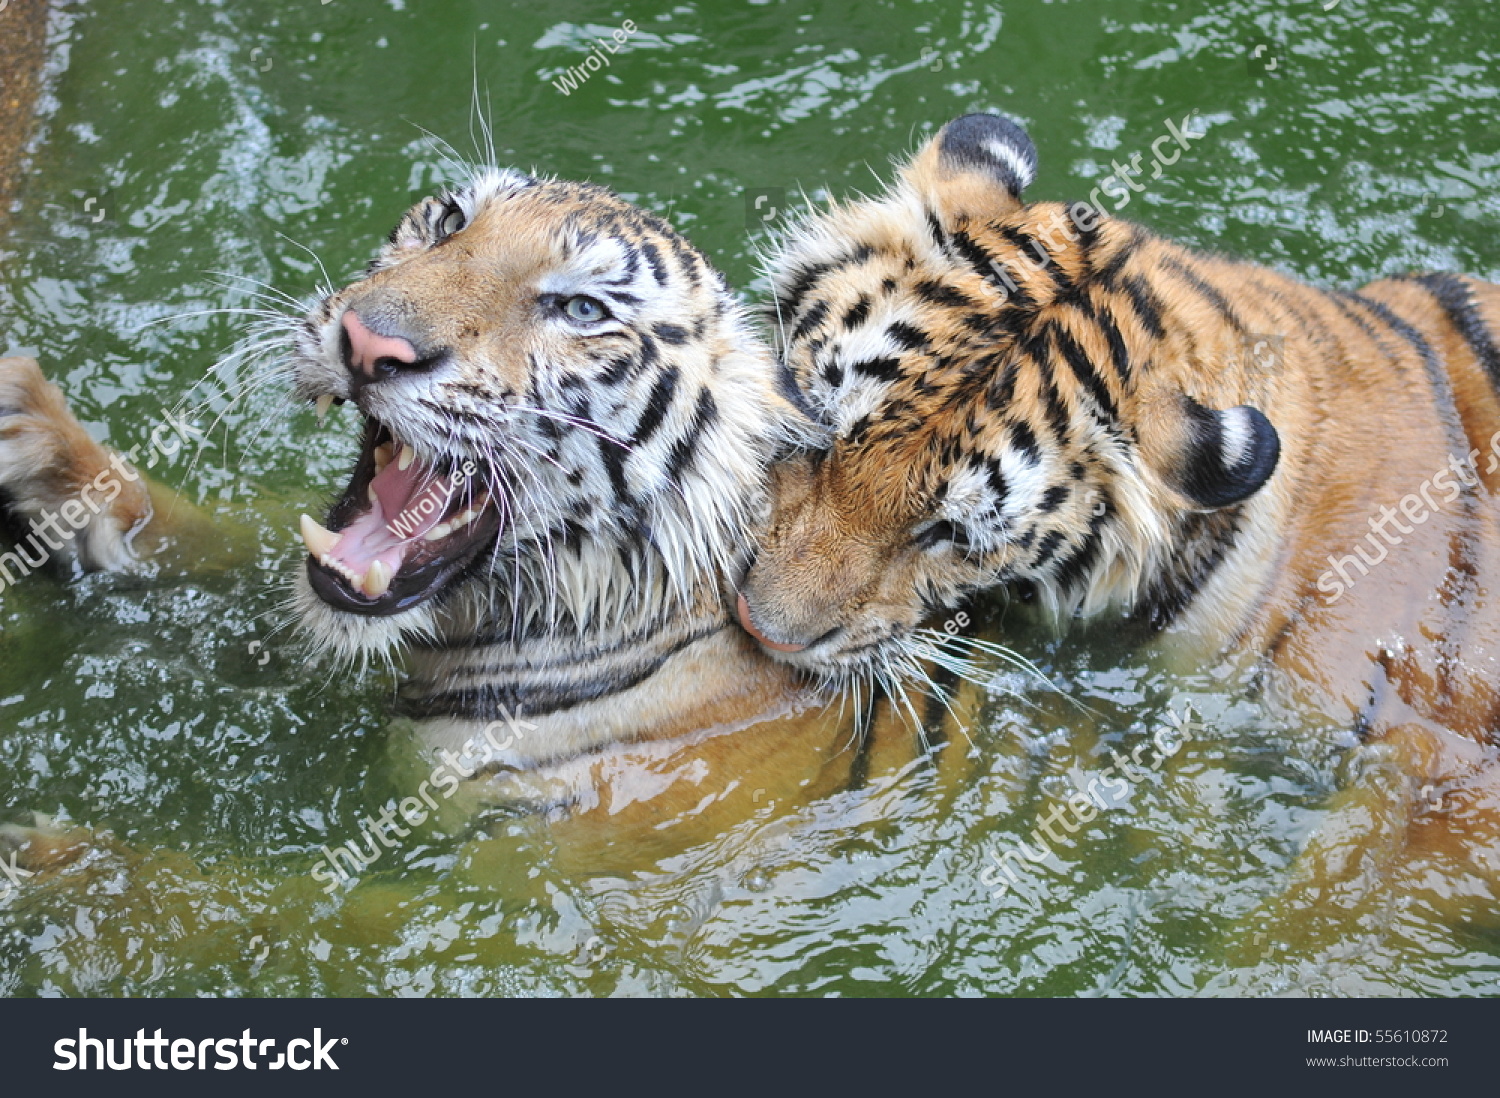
(1039, 398)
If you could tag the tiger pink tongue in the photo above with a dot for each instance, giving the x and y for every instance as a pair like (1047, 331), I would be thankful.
(413, 501)
(408, 503)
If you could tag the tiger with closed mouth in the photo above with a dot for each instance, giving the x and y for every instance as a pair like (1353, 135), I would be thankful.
(1041, 399)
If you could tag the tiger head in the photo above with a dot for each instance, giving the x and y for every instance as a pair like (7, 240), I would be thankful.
(995, 415)
(565, 414)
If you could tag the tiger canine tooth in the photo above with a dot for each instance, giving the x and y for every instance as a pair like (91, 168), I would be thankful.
(383, 454)
(408, 455)
(370, 491)
(324, 403)
(439, 532)
(320, 542)
(377, 579)
(464, 519)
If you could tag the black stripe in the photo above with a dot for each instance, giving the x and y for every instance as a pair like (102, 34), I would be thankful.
(1040, 256)
(658, 265)
(1003, 389)
(649, 355)
(791, 298)
(1212, 535)
(811, 320)
(1084, 370)
(632, 265)
(935, 227)
(1107, 274)
(492, 700)
(1046, 547)
(996, 479)
(1057, 409)
(616, 371)
(1087, 240)
(1023, 438)
(1364, 326)
(988, 267)
(864, 727)
(886, 369)
(684, 449)
(613, 455)
(1118, 352)
(1435, 372)
(936, 712)
(1074, 569)
(1147, 305)
(1204, 290)
(1456, 297)
(858, 313)
(941, 294)
(1105, 322)
(657, 405)
(1310, 328)
(906, 337)
(686, 259)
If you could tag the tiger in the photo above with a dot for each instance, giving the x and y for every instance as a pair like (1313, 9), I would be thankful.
(1055, 404)
(566, 418)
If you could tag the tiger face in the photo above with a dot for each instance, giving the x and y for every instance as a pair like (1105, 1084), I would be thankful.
(978, 373)
(563, 408)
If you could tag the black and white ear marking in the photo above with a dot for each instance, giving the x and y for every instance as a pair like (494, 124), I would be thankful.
(991, 144)
(1230, 454)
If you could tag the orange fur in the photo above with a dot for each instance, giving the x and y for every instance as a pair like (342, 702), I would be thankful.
(1066, 432)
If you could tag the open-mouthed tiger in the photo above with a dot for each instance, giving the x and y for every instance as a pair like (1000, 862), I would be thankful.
(1058, 403)
(566, 426)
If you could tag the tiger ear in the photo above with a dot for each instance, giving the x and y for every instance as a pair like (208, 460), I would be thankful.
(1214, 459)
(976, 166)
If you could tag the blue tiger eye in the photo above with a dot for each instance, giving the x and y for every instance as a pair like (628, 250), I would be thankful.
(584, 308)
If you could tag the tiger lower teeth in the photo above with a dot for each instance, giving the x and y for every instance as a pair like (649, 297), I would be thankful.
(377, 580)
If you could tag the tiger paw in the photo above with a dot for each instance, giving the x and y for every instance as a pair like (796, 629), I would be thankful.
(29, 850)
(65, 497)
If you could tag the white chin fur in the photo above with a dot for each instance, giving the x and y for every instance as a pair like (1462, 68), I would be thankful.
(355, 639)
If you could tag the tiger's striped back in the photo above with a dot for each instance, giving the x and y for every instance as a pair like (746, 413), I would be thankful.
(1063, 404)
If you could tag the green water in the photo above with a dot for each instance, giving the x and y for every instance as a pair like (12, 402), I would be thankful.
(188, 146)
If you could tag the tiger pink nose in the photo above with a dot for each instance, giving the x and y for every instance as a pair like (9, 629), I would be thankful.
(372, 354)
(743, 607)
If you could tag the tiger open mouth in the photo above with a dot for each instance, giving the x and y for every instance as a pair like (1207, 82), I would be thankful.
(404, 529)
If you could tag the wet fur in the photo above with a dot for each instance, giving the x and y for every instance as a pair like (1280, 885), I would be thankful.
(1101, 438)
